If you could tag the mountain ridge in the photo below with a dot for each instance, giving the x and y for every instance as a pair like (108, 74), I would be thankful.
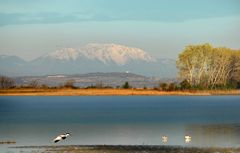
(90, 58)
(105, 53)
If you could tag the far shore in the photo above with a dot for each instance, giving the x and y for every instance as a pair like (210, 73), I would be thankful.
(111, 92)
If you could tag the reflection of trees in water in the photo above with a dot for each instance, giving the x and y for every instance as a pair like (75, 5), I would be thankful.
(215, 135)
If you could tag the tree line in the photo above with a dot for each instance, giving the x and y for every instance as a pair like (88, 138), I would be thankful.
(207, 67)
(8, 82)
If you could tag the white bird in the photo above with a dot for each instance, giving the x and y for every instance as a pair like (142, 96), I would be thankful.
(164, 139)
(188, 139)
(61, 137)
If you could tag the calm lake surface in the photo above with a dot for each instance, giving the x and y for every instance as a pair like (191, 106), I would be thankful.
(210, 121)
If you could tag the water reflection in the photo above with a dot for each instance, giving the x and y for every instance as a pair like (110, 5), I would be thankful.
(223, 135)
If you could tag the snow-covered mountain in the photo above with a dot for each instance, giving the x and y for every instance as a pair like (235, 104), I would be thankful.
(105, 53)
(95, 58)
(114, 53)
(64, 54)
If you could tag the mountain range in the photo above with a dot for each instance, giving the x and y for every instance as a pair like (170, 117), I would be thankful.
(90, 58)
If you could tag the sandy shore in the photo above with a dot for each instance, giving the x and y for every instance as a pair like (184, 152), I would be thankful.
(123, 149)
(110, 92)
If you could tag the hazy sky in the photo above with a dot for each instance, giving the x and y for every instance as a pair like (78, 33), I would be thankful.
(30, 28)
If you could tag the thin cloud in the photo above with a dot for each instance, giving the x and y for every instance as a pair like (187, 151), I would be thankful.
(44, 12)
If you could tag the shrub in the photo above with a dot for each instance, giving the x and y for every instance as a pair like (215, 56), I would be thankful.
(163, 86)
(172, 87)
(185, 85)
(69, 84)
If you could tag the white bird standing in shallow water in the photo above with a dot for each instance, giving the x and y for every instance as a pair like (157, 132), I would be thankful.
(61, 137)
(164, 139)
(188, 139)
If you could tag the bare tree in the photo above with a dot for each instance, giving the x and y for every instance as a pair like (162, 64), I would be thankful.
(99, 84)
(34, 84)
(69, 84)
(6, 82)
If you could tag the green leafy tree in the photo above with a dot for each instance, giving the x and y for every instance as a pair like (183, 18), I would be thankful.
(192, 63)
(163, 86)
(126, 85)
(209, 67)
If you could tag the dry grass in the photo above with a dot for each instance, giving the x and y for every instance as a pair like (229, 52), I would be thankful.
(111, 92)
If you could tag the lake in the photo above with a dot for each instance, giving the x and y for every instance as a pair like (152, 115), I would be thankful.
(121, 120)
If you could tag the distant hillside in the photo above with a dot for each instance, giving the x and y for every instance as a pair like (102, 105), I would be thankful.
(112, 79)
(89, 59)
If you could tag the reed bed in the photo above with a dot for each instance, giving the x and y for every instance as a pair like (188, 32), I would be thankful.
(111, 92)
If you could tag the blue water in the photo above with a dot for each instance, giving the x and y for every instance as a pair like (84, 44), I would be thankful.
(211, 121)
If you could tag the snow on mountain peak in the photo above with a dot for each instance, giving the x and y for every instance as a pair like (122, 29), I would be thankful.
(65, 54)
(105, 53)
(112, 52)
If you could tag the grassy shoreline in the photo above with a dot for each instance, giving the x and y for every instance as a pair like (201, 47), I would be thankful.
(110, 92)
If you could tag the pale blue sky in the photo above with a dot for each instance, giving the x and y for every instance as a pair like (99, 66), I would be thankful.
(30, 28)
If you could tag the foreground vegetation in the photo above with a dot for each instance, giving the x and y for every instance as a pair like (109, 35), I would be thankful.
(109, 92)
